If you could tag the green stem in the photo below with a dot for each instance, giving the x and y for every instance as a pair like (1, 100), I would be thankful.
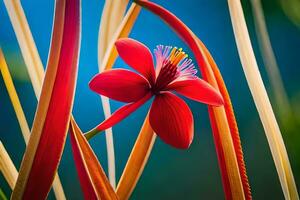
(2, 195)
(91, 133)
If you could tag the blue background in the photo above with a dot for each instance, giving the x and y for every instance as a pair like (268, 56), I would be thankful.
(170, 173)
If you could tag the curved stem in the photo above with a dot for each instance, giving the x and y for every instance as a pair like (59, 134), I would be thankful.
(103, 39)
(106, 61)
(7, 167)
(109, 144)
(272, 69)
(91, 133)
(112, 15)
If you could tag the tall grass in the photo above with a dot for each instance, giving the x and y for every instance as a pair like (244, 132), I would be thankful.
(261, 100)
(32, 61)
(112, 16)
(7, 167)
(281, 99)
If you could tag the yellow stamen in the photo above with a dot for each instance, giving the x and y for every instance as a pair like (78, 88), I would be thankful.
(177, 55)
(173, 53)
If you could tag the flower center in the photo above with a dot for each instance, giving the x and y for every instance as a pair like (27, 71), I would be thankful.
(172, 64)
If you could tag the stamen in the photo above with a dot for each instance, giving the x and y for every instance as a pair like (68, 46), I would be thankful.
(171, 64)
(172, 53)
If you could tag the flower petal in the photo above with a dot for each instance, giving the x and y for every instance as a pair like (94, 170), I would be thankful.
(172, 120)
(197, 90)
(120, 84)
(137, 56)
(122, 113)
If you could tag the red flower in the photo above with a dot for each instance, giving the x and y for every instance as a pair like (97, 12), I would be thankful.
(170, 117)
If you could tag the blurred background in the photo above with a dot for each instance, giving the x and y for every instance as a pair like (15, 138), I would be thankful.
(170, 173)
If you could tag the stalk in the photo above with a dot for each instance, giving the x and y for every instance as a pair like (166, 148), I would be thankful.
(102, 43)
(34, 67)
(261, 100)
(123, 31)
(136, 161)
(103, 28)
(109, 144)
(112, 15)
(291, 10)
(281, 98)
(27, 46)
(116, 16)
(8, 81)
(2, 195)
(7, 167)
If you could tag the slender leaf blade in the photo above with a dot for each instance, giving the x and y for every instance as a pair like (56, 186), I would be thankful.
(93, 180)
(112, 15)
(50, 125)
(7, 167)
(261, 100)
(26, 42)
(122, 31)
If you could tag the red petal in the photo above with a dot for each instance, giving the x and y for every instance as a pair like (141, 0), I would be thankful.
(197, 90)
(172, 120)
(122, 113)
(137, 56)
(120, 84)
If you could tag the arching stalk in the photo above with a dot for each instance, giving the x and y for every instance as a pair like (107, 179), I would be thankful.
(281, 99)
(7, 167)
(112, 15)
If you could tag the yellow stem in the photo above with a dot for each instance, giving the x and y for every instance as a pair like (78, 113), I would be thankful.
(115, 18)
(26, 42)
(136, 161)
(14, 98)
(7, 167)
(122, 31)
(281, 98)
(112, 15)
(103, 29)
